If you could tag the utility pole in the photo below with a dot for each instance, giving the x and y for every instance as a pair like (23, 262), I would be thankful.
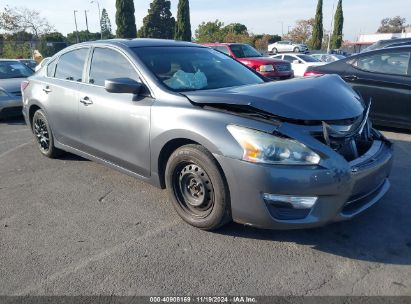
(99, 16)
(282, 28)
(331, 30)
(75, 22)
(85, 14)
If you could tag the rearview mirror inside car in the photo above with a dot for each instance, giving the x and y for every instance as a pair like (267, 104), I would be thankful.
(122, 85)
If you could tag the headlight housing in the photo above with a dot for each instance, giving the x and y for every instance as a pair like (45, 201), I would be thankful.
(261, 147)
(266, 68)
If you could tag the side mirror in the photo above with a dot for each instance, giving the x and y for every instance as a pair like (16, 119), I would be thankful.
(296, 61)
(122, 85)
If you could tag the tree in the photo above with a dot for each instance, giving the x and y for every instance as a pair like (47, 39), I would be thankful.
(52, 43)
(317, 35)
(210, 31)
(183, 25)
(392, 25)
(83, 36)
(125, 19)
(17, 19)
(302, 32)
(159, 23)
(236, 28)
(105, 24)
(337, 36)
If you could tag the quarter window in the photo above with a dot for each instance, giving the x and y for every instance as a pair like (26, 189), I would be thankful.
(395, 63)
(289, 58)
(51, 68)
(71, 64)
(222, 49)
(107, 64)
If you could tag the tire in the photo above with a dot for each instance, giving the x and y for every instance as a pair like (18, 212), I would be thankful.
(296, 50)
(44, 136)
(197, 188)
(274, 51)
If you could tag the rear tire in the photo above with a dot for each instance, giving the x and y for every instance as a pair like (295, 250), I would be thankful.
(197, 188)
(44, 135)
(296, 50)
(274, 51)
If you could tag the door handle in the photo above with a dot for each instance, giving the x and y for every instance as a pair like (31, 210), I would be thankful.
(86, 101)
(47, 89)
(350, 78)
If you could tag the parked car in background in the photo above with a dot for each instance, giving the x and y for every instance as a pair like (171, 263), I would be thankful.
(42, 63)
(271, 68)
(287, 46)
(382, 77)
(387, 43)
(299, 62)
(31, 63)
(12, 73)
(328, 57)
(227, 143)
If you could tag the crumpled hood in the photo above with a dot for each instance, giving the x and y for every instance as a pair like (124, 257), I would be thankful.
(320, 98)
(11, 84)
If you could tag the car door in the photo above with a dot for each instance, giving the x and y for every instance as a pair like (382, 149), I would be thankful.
(298, 68)
(115, 127)
(384, 77)
(61, 91)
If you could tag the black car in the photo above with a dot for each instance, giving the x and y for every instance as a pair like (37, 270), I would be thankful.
(381, 44)
(382, 77)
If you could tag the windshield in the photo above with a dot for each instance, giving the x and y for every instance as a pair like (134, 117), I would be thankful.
(244, 51)
(14, 69)
(192, 68)
(307, 58)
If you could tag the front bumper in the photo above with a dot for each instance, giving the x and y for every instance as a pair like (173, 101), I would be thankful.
(275, 75)
(10, 106)
(342, 192)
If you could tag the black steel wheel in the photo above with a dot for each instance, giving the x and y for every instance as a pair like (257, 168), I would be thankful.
(197, 187)
(43, 135)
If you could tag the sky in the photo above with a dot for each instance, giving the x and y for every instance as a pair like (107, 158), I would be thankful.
(260, 16)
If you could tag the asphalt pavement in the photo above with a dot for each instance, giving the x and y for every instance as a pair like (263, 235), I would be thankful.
(73, 227)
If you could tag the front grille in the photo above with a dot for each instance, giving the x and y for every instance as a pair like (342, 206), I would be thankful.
(17, 93)
(283, 67)
(355, 203)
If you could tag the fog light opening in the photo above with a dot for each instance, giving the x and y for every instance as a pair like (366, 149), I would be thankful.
(295, 202)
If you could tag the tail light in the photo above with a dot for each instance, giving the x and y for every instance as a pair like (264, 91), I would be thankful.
(24, 84)
(312, 73)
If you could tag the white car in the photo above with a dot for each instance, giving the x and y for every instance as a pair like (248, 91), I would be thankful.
(299, 62)
(287, 46)
(327, 57)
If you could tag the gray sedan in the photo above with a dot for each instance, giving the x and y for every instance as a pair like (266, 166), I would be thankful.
(226, 143)
(12, 73)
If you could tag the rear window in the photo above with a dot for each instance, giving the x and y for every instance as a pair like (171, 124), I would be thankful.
(71, 64)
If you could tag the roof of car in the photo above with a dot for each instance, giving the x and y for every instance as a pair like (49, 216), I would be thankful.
(5, 59)
(144, 42)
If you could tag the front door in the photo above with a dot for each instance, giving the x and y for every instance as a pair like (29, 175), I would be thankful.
(114, 127)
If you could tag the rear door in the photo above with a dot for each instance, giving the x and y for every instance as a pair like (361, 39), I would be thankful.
(114, 127)
(384, 77)
(60, 90)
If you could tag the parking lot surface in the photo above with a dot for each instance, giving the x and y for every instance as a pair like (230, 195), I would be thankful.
(74, 227)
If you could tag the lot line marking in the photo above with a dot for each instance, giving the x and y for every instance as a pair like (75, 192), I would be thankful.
(94, 258)
(14, 140)
(14, 149)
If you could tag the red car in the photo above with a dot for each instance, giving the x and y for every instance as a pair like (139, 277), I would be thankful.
(246, 54)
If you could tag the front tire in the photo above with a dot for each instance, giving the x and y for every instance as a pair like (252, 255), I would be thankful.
(274, 51)
(44, 135)
(197, 188)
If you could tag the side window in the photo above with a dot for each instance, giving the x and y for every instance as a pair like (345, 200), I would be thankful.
(289, 58)
(71, 64)
(51, 68)
(223, 49)
(395, 63)
(107, 64)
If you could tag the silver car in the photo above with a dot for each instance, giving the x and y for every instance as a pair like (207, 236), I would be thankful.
(227, 143)
(12, 73)
(287, 46)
